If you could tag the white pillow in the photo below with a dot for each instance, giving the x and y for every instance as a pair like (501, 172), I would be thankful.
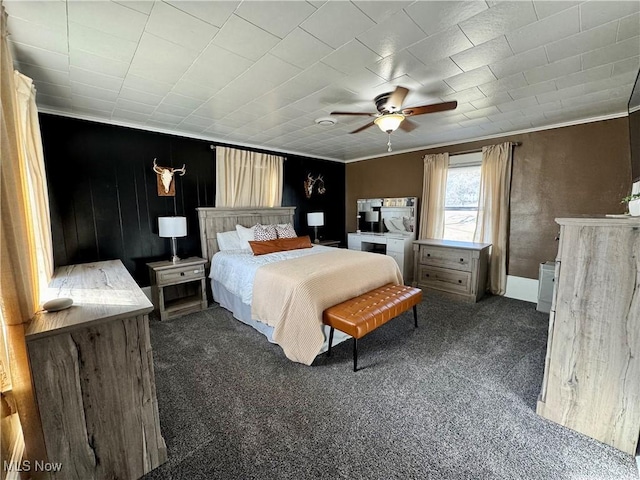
(228, 241)
(246, 235)
(391, 225)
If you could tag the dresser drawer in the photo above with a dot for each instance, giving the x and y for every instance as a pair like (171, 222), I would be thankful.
(176, 275)
(395, 245)
(442, 279)
(453, 258)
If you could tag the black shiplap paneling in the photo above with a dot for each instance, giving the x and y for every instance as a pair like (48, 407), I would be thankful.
(104, 201)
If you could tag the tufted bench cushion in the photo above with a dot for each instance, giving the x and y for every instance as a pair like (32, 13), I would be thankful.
(364, 313)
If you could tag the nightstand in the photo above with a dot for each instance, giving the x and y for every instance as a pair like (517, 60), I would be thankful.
(329, 243)
(178, 288)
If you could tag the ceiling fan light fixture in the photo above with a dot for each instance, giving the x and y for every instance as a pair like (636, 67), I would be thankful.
(389, 122)
(325, 121)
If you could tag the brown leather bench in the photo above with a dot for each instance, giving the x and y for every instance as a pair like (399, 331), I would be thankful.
(363, 314)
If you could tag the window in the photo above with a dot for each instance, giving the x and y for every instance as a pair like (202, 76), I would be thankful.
(462, 196)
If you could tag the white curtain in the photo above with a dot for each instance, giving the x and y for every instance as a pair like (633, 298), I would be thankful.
(248, 179)
(493, 211)
(434, 187)
(25, 233)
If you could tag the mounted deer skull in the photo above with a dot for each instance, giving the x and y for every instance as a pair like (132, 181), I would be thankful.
(166, 185)
(310, 182)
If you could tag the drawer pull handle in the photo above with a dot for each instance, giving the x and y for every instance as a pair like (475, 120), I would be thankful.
(428, 254)
(427, 274)
(459, 281)
(461, 260)
(182, 274)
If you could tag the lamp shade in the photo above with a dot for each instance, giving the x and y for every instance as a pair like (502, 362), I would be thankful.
(315, 219)
(172, 227)
(389, 122)
(372, 216)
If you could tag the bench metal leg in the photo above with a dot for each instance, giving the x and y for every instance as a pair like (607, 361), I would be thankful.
(355, 354)
(330, 342)
(415, 315)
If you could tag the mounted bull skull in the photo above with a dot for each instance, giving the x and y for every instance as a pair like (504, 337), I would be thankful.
(166, 185)
(310, 182)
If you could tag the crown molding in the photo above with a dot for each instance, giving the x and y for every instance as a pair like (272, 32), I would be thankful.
(500, 135)
(174, 133)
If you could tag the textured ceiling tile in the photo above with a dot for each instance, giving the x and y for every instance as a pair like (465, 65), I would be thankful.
(182, 112)
(434, 16)
(96, 79)
(503, 18)
(90, 40)
(392, 36)
(435, 71)
(511, 82)
(518, 63)
(92, 103)
(245, 39)
(627, 65)
(40, 57)
(441, 45)
(336, 23)
(554, 70)
(215, 13)
(396, 65)
(276, 17)
(96, 64)
(483, 112)
(41, 74)
(351, 57)
(517, 105)
(140, 96)
(612, 53)
(549, 29)
(301, 49)
(52, 38)
(193, 90)
(179, 27)
(595, 13)
(142, 6)
(160, 59)
(378, 10)
(483, 54)
(582, 42)
(532, 90)
(46, 13)
(147, 85)
(464, 96)
(109, 17)
(497, 99)
(545, 8)
(629, 27)
(58, 103)
(470, 79)
(61, 91)
(586, 76)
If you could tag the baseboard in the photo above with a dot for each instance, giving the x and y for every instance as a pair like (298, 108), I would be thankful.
(522, 288)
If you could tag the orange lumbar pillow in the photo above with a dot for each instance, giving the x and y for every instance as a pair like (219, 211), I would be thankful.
(280, 245)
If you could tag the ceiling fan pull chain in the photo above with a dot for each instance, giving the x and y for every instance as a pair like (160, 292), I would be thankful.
(389, 143)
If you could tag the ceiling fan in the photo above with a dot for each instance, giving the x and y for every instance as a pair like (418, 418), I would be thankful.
(392, 116)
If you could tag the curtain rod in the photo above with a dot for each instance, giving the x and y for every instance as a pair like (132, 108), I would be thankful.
(476, 150)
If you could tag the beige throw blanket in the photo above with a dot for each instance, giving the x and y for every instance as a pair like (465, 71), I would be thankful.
(291, 295)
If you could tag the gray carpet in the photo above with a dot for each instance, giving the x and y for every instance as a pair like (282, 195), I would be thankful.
(454, 399)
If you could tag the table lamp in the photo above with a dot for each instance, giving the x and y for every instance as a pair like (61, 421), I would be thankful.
(315, 220)
(172, 227)
(372, 216)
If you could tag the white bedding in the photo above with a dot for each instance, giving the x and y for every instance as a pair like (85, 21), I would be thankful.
(236, 269)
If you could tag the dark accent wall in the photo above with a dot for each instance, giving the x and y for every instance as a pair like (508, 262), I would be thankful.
(104, 200)
(577, 170)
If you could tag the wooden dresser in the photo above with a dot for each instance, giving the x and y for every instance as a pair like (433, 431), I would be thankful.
(456, 268)
(93, 382)
(591, 379)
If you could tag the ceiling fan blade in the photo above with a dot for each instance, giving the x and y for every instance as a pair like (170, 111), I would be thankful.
(370, 124)
(364, 114)
(408, 126)
(436, 107)
(394, 103)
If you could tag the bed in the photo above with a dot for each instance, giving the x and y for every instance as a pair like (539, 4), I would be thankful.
(282, 295)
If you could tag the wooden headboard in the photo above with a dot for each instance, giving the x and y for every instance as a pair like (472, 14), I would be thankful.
(213, 220)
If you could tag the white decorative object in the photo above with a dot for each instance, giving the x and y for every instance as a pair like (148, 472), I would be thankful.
(634, 208)
(172, 227)
(57, 304)
(315, 220)
(165, 178)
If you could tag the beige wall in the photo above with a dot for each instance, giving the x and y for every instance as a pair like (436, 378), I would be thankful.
(582, 169)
